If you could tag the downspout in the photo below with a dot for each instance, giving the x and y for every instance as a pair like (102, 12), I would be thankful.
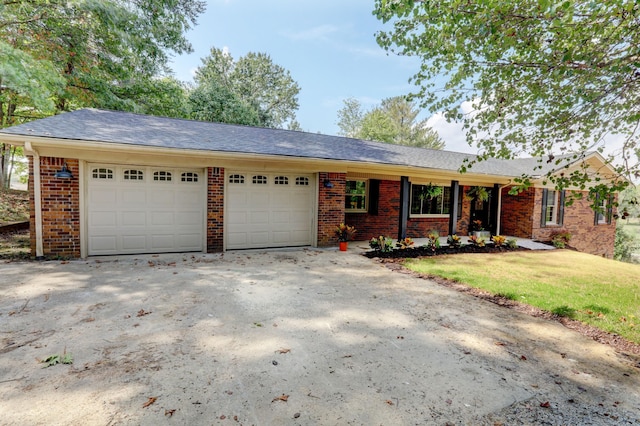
(37, 199)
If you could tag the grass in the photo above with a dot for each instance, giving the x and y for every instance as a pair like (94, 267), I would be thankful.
(600, 292)
(14, 206)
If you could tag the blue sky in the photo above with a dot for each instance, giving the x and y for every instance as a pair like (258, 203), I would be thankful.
(328, 47)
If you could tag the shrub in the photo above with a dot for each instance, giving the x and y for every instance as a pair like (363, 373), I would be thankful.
(454, 241)
(512, 243)
(499, 240)
(560, 239)
(382, 244)
(477, 241)
(433, 240)
(624, 246)
(404, 243)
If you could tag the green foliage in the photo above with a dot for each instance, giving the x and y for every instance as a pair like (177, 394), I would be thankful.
(393, 121)
(382, 244)
(51, 360)
(258, 91)
(477, 241)
(625, 245)
(454, 241)
(499, 240)
(560, 239)
(542, 78)
(512, 243)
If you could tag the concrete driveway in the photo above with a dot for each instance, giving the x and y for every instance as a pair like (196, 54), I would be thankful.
(308, 337)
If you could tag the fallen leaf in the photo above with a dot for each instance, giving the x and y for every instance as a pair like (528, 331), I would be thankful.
(142, 313)
(389, 402)
(545, 404)
(500, 344)
(222, 417)
(150, 401)
(282, 397)
(296, 415)
(169, 412)
(283, 351)
(523, 358)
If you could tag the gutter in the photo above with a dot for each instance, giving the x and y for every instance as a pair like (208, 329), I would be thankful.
(37, 198)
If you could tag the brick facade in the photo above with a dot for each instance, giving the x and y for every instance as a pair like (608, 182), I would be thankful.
(522, 213)
(215, 209)
(60, 199)
(386, 221)
(330, 207)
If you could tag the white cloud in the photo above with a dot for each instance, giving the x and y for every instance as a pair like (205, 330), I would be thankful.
(451, 133)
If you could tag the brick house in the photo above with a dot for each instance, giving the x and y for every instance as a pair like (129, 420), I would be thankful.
(105, 182)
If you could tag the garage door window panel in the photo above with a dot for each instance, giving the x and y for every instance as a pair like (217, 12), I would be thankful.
(281, 180)
(134, 175)
(162, 176)
(102, 174)
(260, 180)
(189, 177)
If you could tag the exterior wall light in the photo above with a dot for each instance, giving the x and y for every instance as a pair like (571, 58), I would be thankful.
(65, 173)
(327, 183)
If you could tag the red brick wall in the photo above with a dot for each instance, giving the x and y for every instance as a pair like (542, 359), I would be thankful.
(215, 209)
(330, 207)
(521, 216)
(516, 216)
(579, 221)
(60, 199)
(386, 221)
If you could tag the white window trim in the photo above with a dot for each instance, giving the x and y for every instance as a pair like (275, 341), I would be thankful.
(605, 210)
(556, 204)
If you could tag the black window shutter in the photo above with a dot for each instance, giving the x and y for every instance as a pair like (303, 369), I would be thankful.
(610, 209)
(543, 219)
(374, 196)
(596, 211)
(561, 208)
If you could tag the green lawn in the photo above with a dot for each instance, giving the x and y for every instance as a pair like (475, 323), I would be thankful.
(597, 291)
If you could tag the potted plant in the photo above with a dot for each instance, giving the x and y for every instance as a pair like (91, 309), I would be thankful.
(344, 233)
(479, 231)
(478, 192)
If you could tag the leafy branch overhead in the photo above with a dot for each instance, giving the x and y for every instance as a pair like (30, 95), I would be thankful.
(529, 77)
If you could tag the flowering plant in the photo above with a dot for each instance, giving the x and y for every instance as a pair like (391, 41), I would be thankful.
(345, 232)
(404, 243)
(477, 225)
(382, 244)
(454, 241)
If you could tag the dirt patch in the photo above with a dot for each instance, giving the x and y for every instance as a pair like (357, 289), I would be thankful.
(287, 337)
(617, 342)
(14, 206)
(15, 245)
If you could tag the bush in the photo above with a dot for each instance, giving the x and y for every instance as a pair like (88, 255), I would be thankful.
(382, 244)
(560, 239)
(624, 246)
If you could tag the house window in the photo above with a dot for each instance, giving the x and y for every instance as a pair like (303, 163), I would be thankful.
(193, 177)
(604, 211)
(281, 180)
(552, 208)
(102, 173)
(302, 181)
(236, 179)
(356, 196)
(162, 176)
(259, 180)
(423, 205)
(133, 175)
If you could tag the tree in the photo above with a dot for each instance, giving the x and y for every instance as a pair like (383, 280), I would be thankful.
(544, 78)
(211, 101)
(350, 118)
(60, 55)
(393, 121)
(253, 83)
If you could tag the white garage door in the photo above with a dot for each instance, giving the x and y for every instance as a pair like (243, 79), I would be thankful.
(138, 209)
(269, 209)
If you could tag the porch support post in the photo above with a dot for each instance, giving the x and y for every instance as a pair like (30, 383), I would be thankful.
(404, 207)
(453, 207)
(493, 209)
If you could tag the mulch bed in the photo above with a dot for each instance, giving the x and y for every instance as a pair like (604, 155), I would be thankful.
(627, 348)
(413, 252)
